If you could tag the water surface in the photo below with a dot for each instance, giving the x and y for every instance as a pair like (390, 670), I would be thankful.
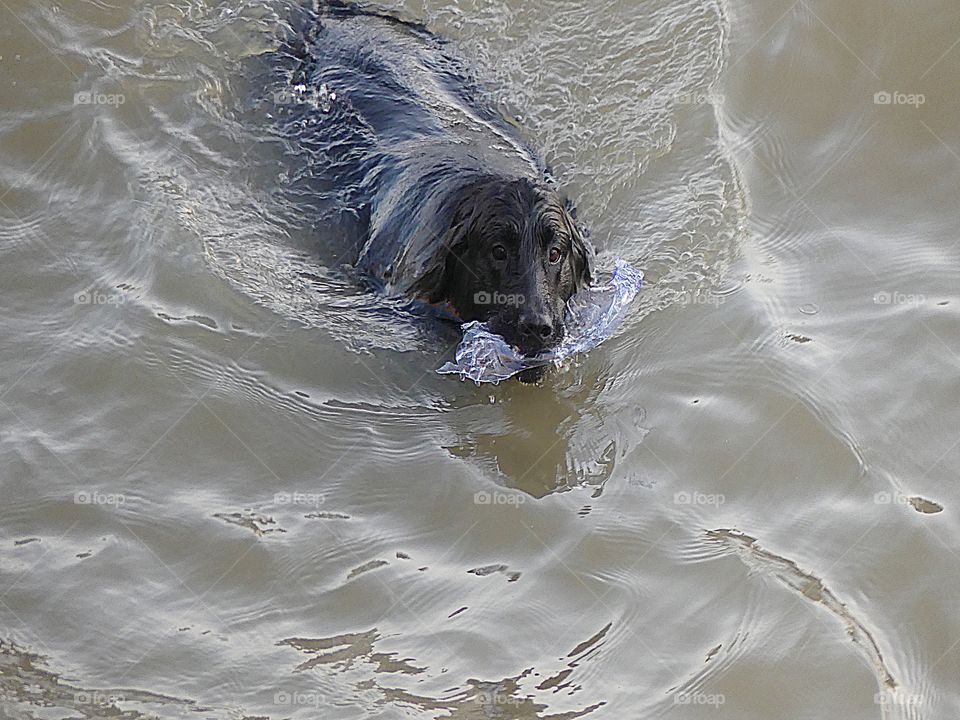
(233, 485)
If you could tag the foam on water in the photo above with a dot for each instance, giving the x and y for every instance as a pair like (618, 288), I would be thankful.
(592, 316)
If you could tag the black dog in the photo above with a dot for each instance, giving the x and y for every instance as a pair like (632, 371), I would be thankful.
(448, 204)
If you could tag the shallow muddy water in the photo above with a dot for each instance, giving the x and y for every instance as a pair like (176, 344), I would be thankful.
(233, 484)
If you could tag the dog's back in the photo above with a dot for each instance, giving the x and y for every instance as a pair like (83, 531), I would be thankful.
(401, 127)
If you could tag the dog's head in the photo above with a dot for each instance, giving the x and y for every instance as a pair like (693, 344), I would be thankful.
(512, 258)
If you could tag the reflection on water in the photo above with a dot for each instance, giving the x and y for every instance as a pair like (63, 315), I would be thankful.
(576, 443)
(477, 698)
(234, 486)
(810, 588)
(26, 683)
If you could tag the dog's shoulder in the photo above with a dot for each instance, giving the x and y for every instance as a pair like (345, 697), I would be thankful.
(410, 126)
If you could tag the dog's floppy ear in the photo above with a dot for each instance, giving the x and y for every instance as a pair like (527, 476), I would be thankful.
(463, 212)
(432, 283)
(581, 252)
(427, 230)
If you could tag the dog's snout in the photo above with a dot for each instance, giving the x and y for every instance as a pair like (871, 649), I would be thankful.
(537, 326)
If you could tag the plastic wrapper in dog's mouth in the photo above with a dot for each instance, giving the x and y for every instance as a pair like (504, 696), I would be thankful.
(592, 316)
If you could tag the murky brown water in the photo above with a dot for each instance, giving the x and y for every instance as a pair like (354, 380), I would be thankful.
(233, 485)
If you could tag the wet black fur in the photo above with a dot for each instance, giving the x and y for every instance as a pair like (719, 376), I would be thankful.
(447, 203)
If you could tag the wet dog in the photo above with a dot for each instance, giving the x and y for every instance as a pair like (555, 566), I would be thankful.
(447, 203)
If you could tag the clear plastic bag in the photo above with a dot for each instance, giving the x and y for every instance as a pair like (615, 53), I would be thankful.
(592, 316)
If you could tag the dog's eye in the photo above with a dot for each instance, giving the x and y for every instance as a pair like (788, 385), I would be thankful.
(555, 256)
(499, 252)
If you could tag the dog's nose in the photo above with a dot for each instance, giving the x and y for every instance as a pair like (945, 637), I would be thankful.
(536, 326)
